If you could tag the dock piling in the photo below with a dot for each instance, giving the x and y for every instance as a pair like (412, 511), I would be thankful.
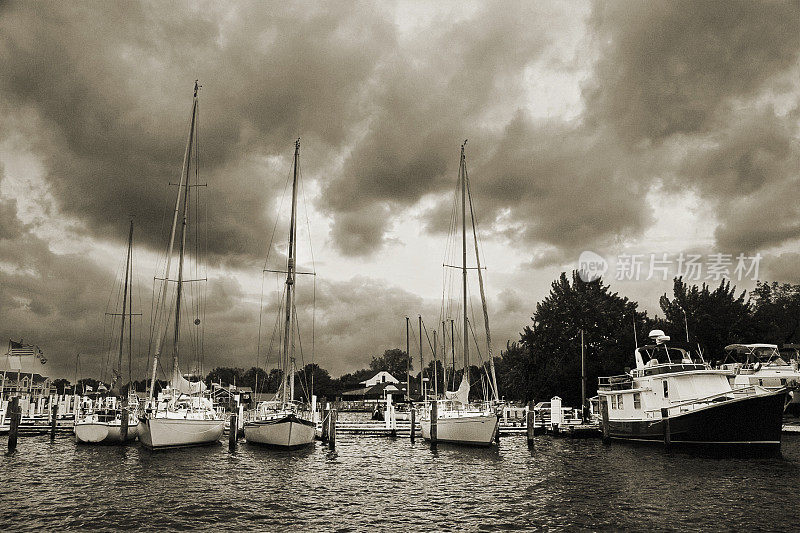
(53, 419)
(667, 435)
(413, 422)
(434, 422)
(604, 416)
(16, 414)
(332, 432)
(530, 423)
(123, 427)
(325, 421)
(233, 432)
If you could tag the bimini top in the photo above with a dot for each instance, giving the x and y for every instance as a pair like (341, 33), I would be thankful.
(747, 348)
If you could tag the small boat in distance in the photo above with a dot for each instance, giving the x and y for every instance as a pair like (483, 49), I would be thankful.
(672, 399)
(457, 420)
(118, 422)
(181, 415)
(283, 422)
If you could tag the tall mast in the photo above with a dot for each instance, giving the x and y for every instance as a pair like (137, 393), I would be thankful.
(583, 381)
(453, 348)
(125, 301)
(421, 361)
(408, 365)
(163, 292)
(435, 370)
(130, 312)
(290, 266)
(462, 168)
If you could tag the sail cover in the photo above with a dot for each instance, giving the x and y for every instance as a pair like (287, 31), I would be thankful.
(462, 394)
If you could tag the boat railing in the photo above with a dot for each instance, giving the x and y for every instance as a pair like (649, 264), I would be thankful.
(621, 382)
(697, 403)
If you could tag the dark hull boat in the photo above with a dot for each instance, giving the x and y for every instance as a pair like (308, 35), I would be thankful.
(673, 399)
(753, 421)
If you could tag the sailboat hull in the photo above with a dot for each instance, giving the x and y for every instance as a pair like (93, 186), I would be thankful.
(473, 429)
(157, 433)
(103, 432)
(289, 431)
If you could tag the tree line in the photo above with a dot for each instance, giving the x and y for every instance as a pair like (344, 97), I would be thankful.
(545, 360)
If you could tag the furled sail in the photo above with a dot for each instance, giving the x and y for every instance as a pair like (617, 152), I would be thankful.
(462, 394)
(184, 386)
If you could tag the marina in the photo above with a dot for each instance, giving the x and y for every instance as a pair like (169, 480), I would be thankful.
(400, 266)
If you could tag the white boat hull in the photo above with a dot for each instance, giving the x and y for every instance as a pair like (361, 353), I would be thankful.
(287, 432)
(476, 429)
(177, 432)
(103, 432)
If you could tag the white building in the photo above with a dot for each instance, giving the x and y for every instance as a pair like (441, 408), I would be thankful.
(381, 377)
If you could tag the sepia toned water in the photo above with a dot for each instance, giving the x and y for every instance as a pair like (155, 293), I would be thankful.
(376, 484)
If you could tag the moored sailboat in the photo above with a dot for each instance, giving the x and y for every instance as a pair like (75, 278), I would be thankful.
(284, 422)
(181, 415)
(117, 423)
(459, 421)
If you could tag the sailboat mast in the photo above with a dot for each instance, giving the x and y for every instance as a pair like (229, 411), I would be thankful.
(464, 259)
(130, 311)
(290, 266)
(408, 365)
(163, 292)
(421, 361)
(453, 348)
(583, 380)
(125, 300)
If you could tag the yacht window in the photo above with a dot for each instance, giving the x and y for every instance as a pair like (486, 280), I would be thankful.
(666, 389)
(637, 400)
(783, 381)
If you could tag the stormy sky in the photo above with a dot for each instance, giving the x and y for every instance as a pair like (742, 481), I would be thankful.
(620, 128)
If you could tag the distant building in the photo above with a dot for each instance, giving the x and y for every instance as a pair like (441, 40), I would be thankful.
(21, 372)
(381, 377)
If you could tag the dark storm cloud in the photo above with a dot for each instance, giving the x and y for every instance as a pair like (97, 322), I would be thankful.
(667, 67)
(111, 84)
(423, 102)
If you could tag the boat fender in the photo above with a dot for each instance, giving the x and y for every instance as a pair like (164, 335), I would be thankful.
(757, 366)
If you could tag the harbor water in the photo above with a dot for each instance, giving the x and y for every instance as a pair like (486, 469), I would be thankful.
(378, 484)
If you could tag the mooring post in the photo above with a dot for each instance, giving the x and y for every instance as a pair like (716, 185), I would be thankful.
(16, 415)
(530, 423)
(665, 419)
(332, 433)
(497, 431)
(434, 422)
(53, 420)
(325, 421)
(123, 423)
(233, 432)
(413, 421)
(604, 417)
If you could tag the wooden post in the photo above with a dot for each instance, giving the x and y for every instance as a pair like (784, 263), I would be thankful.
(434, 422)
(332, 433)
(325, 421)
(530, 423)
(16, 415)
(123, 426)
(53, 419)
(665, 419)
(604, 415)
(233, 432)
(413, 422)
(497, 431)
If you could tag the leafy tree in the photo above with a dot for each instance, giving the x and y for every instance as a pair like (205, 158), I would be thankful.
(395, 361)
(353, 380)
(254, 377)
(324, 386)
(546, 360)
(776, 312)
(62, 385)
(225, 375)
(714, 318)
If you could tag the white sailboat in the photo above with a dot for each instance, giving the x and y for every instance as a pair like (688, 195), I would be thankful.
(181, 415)
(116, 422)
(458, 421)
(283, 422)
